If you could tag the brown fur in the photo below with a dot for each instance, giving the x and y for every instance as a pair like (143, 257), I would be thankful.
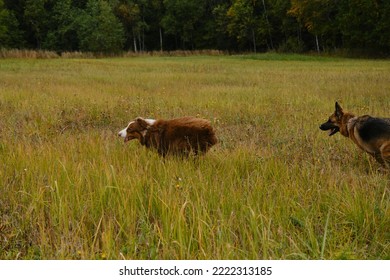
(135, 130)
(179, 136)
(370, 134)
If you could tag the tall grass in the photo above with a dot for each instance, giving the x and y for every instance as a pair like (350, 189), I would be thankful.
(45, 54)
(275, 187)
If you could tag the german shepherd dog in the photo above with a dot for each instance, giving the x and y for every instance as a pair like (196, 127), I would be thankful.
(371, 134)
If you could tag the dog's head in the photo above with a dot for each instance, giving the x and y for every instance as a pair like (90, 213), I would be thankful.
(334, 122)
(136, 129)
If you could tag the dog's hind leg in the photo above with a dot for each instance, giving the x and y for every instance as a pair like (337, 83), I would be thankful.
(385, 154)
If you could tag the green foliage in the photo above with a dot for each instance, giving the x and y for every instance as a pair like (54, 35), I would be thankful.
(132, 15)
(241, 20)
(36, 17)
(99, 29)
(10, 33)
(292, 45)
(318, 18)
(234, 25)
(62, 35)
(181, 19)
(364, 24)
(3, 26)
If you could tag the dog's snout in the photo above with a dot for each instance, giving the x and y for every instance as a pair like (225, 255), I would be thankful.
(325, 126)
(122, 133)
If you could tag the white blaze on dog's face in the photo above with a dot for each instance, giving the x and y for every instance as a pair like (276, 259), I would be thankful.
(123, 132)
(136, 129)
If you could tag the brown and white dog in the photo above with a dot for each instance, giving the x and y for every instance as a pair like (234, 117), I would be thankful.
(179, 136)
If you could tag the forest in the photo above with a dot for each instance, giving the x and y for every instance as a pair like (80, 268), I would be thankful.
(112, 26)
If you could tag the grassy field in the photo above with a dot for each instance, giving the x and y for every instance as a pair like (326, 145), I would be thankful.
(275, 187)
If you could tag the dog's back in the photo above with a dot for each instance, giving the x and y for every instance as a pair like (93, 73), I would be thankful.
(372, 128)
(181, 136)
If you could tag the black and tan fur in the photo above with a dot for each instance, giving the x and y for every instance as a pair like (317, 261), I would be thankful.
(369, 133)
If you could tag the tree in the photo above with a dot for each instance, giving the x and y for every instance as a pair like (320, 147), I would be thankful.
(4, 14)
(131, 15)
(10, 34)
(318, 16)
(286, 31)
(236, 25)
(247, 22)
(221, 21)
(181, 19)
(383, 27)
(62, 35)
(363, 24)
(157, 10)
(36, 17)
(99, 29)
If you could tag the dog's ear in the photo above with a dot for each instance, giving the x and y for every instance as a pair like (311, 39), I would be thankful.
(338, 110)
(142, 123)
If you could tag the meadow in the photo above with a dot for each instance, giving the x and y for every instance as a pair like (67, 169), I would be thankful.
(274, 187)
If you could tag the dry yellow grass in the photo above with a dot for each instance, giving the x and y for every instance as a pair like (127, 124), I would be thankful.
(275, 187)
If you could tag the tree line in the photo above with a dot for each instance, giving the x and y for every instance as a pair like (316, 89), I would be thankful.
(111, 26)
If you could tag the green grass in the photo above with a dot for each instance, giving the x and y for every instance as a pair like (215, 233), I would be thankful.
(275, 187)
